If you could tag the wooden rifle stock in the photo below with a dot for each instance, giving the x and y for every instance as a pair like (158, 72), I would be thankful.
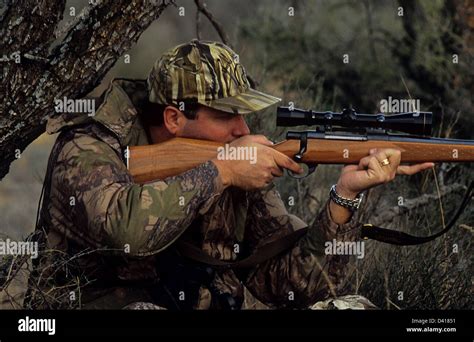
(151, 162)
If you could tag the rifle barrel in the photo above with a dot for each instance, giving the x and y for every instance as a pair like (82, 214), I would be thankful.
(339, 149)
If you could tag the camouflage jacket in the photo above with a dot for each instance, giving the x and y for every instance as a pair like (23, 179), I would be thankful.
(108, 233)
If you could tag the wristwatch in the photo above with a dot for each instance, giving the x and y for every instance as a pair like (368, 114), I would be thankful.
(351, 204)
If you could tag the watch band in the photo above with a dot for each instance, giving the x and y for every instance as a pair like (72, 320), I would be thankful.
(351, 204)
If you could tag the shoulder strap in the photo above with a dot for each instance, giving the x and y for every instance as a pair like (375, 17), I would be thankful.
(395, 237)
(260, 255)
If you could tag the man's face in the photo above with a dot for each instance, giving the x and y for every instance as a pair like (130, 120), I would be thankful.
(215, 125)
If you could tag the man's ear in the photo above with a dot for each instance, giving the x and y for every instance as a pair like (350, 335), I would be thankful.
(174, 120)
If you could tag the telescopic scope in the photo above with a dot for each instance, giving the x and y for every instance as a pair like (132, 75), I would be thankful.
(417, 123)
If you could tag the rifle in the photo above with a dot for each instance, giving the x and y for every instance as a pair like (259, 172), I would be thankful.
(338, 138)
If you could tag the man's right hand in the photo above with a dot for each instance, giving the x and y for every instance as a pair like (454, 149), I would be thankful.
(247, 176)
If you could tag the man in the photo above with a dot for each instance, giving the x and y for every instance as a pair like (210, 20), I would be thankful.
(119, 237)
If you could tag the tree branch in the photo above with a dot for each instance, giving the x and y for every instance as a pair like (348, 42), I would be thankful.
(220, 30)
(92, 45)
(409, 205)
(198, 24)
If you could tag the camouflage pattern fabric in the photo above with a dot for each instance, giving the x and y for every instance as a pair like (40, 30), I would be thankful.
(208, 73)
(143, 306)
(93, 207)
(349, 302)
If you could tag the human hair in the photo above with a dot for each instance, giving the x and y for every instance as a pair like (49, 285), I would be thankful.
(152, 113)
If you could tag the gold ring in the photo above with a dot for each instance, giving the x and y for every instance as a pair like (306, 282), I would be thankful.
(385, 162)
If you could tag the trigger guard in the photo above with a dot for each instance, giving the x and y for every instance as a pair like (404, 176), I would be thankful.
(309, 169)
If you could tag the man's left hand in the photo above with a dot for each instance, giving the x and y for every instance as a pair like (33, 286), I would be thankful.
(379, 167)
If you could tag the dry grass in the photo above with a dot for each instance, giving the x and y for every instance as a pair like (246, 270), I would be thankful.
(430, 276)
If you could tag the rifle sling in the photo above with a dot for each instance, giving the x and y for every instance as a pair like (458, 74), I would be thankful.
(260, 255)
(282, 244)
(403, 239)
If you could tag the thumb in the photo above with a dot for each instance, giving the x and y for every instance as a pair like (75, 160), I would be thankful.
(260, 139)
(350, 167)
(364, 162)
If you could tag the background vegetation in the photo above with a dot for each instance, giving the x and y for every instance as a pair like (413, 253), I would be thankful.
(300, 58)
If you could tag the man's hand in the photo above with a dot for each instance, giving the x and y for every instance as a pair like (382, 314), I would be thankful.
(379, 167)
(269, 164)
(371, 171)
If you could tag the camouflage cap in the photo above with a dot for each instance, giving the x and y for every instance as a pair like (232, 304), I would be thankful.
(208, 73)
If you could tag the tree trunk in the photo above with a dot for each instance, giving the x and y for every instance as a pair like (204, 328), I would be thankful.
(38, 68)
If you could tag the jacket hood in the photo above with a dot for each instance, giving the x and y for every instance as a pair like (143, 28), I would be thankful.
(117, 110)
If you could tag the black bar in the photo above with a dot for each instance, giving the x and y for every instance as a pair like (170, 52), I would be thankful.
(240, 323)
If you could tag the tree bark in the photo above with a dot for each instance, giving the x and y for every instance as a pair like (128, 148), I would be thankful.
(37, 68)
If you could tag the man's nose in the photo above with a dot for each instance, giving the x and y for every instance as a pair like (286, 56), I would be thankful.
(240, 128)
